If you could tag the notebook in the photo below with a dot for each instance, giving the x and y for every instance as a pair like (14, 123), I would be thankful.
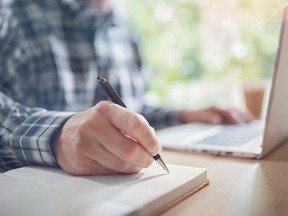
(253, 140)
(35, 191)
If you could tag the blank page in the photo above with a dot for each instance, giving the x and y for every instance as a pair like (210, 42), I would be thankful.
(141, 193)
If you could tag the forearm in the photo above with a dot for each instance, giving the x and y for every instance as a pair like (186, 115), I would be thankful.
(161, 117)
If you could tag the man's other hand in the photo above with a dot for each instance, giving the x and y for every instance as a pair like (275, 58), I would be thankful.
(216, 115)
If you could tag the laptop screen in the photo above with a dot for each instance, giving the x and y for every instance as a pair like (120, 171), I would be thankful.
(276, 130)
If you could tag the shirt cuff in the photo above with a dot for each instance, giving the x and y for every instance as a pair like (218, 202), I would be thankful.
(161, 117)
(31, 140)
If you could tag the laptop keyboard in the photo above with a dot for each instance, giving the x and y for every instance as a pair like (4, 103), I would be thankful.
(233, 135)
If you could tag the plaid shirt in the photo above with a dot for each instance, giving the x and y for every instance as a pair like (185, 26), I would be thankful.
(51, 52)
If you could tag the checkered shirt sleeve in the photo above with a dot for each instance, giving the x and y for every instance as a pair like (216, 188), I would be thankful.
(26, 133)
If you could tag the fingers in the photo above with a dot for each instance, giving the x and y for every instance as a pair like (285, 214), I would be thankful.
(246, 115)
(113, 148)
(233, 116)
(126, 149)
(227, 116)
(216, 115)
(135, 126)
(97, 152)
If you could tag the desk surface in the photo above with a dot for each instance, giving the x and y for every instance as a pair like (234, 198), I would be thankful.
(237, 186)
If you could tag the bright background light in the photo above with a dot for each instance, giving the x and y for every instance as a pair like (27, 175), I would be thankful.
(205, 49)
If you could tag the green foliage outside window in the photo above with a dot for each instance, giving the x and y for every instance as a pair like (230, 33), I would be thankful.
(171, 41)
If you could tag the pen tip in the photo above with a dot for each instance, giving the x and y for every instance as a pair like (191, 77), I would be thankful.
(163, 165)
(167, 170)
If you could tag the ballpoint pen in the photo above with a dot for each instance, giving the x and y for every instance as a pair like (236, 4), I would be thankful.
(115, 98)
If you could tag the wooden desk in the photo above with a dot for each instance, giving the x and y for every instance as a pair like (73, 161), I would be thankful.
(237, 186)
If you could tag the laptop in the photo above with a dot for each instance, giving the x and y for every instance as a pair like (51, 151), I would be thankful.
(251, 140)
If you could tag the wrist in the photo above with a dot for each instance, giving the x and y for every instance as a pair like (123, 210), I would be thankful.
(188, 115)
(55, 143)
(185, 116)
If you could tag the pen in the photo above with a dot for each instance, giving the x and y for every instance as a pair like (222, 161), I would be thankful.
(115, 98)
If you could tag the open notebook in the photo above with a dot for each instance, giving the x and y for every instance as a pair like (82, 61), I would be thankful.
(45, 191)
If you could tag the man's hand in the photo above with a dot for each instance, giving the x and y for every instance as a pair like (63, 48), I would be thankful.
(105, 139)
(216, 115)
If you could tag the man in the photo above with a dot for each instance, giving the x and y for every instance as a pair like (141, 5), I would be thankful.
(51, 52)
